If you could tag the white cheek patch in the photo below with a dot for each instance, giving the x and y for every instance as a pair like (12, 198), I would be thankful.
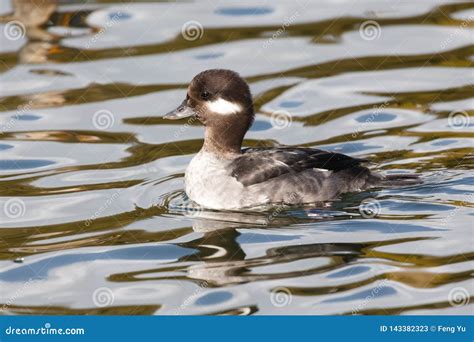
(224, 107)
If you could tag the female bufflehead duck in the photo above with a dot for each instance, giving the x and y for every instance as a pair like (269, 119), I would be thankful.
(225, 176)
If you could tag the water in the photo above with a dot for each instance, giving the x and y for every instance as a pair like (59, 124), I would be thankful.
(94, 218)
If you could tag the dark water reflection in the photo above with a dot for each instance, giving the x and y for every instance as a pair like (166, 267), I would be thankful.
(93, 218)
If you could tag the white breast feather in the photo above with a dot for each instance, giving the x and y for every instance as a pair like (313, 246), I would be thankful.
(209, 184)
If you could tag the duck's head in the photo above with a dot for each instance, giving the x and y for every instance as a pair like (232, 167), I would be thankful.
(221, 100)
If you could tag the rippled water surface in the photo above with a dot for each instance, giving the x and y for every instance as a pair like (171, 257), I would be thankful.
(93, 214)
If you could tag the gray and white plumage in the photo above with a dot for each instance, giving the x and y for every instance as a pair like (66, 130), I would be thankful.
(281, 175)
(225, 176)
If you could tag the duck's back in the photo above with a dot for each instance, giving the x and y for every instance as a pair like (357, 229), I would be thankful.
(300, 175)
(313, 185)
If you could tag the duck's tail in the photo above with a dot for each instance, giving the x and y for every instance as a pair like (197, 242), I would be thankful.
(360, 177)
(399, 179)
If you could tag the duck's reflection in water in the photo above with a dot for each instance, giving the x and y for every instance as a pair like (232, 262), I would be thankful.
(221, 259)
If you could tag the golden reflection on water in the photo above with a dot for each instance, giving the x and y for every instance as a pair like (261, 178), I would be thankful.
(108, 210)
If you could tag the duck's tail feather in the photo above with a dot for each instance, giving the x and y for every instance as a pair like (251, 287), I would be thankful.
(400, 179)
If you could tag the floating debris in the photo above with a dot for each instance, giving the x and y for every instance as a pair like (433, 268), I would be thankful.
(19, 260)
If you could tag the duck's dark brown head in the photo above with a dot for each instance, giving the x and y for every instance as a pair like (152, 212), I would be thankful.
(221, 100)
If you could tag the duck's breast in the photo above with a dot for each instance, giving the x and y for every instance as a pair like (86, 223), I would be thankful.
(208, 183)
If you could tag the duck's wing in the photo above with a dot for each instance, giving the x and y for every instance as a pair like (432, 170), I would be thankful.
(257, 165)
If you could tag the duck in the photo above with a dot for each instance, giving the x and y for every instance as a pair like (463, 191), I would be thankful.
(225, 176)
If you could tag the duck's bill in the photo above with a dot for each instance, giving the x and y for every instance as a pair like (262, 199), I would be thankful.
(183, 111)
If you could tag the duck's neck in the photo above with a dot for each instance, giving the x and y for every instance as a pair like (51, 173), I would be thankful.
(223, 143)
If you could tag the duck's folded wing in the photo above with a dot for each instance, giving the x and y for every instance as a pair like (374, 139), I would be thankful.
(257, 165)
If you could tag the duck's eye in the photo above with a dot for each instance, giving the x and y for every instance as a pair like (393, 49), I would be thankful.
(205, 95)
